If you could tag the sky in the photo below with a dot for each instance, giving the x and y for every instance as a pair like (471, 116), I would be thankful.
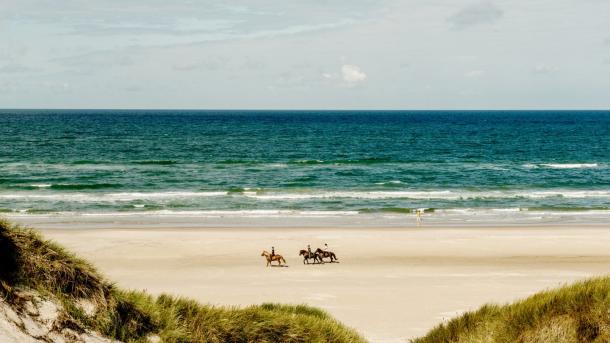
(312, 54)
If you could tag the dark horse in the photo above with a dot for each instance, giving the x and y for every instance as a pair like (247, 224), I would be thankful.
(325, 254)
(309, 256)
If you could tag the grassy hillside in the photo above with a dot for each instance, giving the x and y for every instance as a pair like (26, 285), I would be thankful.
(571, 314)
(28, 262)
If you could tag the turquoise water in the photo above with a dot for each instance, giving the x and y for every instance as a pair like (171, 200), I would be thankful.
(234, 162)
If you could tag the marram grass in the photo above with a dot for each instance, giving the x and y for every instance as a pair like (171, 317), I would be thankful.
(29, 262)
(571, 314)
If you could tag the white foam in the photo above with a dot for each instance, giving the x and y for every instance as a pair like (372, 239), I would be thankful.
(428, 195)
(105, 197)
(562, 165)
(93, 197)
(570, 165)
(223, 213)
(41, 185)
(360, 195)
(393, 182)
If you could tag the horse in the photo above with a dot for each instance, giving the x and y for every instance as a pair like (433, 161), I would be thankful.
(323, 254)
(275, 257)
(308, 256)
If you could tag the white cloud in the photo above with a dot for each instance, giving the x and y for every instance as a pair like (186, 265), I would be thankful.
(473, 74)
(352, 74)
(475, 14)
(542, 69)
(15, 68)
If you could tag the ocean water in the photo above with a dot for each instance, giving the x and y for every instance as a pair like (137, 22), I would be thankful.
(304, 162)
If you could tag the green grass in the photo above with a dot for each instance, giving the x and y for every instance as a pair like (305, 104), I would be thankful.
(576, 313)
(29, 262)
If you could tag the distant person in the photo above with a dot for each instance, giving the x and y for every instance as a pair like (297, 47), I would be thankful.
(418, 216)
(272, 251)
(309, 249)
(325, 246)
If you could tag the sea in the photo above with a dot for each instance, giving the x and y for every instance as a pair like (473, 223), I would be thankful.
(304, 163)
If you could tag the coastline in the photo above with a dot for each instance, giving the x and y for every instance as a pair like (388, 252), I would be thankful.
(392, 283)
(459, 218)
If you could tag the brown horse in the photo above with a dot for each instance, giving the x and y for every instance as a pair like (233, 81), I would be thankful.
(326, 254)
(308, 256)
(275, 257)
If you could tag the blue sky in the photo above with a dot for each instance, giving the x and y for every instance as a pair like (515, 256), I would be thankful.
(353, 54)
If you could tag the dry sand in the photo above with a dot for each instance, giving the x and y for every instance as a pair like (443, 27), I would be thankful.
(390, 284)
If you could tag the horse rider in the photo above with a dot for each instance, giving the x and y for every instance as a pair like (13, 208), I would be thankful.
(326, 247)
(272, 251)
(309, 250)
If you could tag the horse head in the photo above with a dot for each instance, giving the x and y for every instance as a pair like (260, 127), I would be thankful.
(264, 253)
(302, 252)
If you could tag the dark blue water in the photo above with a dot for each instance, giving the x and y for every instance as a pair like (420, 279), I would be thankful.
(116, 161)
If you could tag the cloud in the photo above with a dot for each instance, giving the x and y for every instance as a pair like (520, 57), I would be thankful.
(352, 74)
(14, 69)
(475, 14)
(473, 74)
(543, 69)
(12, 51)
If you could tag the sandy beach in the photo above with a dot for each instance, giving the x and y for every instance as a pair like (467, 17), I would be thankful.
(391, 284)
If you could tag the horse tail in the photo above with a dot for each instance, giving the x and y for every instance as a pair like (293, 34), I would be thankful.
(283, 260)
(334, 256)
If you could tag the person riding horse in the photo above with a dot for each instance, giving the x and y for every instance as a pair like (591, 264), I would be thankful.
(270, 257)
(308, 255)
(326, 254)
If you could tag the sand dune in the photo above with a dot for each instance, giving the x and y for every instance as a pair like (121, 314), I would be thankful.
(390, 284)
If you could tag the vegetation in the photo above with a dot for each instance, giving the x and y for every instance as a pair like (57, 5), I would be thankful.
(29, 262)
(575, 313)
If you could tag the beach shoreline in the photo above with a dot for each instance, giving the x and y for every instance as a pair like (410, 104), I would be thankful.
(317, 219)
(391, 283)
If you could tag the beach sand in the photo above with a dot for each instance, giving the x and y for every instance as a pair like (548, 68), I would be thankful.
(391, 284)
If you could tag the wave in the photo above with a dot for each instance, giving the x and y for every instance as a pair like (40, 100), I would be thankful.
(224, 213)
(370, 160)
(77, 162)
(77, 186)
(106, 197)
(66, 186)
(447, 195)
(155, 162)
(393, 183)
(498, 213)
(404, 210)
(40, 185)
(432, 195)
(562, 165)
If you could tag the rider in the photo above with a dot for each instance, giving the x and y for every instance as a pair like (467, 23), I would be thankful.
(326, 247)
(272, 251)
(309, 249)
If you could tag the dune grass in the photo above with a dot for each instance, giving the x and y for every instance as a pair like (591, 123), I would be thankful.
(29, 262)
(576, 313)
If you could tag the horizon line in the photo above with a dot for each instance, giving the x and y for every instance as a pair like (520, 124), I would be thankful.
(307, 110)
